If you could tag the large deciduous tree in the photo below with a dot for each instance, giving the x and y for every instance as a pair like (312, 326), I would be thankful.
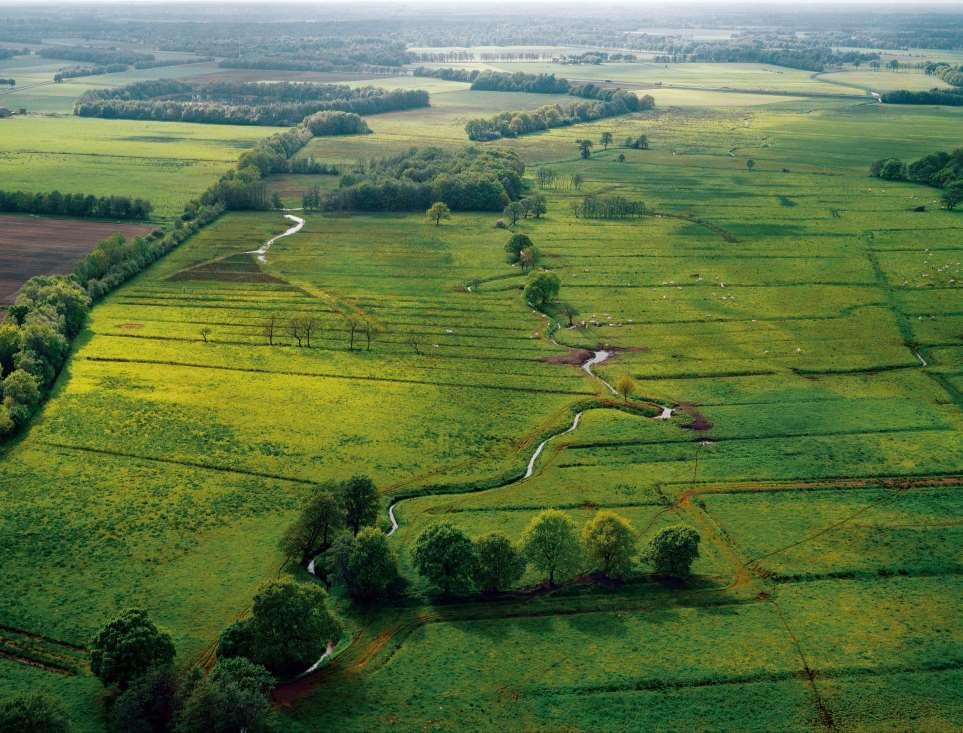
(673, 550)
(550, 543)
(127, 646)
(446, 558)
(499, 564)
(610, 544)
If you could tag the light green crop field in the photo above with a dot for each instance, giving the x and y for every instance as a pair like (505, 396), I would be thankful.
(799, 313)
(165, 162)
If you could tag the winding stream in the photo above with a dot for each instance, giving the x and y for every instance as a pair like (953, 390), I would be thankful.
(261, 251)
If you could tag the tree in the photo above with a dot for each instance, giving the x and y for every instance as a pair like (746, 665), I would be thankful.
(147, 706)
(584, 148)
(353, 323)
(515, 245)
(446, 558)
(550, 544)
(9, 346)
(892, 169)
(673, 550)
(276, 202)
(952, 195)
(205, 332)
(289, 627)
(625, 386)
(542, 289)
(527, 258)
(513, 212)
(577, 181)
(270, 326)
(294, 328)
(21, 388)
(371, 330)
(621, 157)
(33, 713)
(610, 543)
(233, 697)
(606, 140)
(360, 502)
(537, 205)
(314, 530)
(438, 211)
(366, 564)
(127, 646)
(750, 164)
(499, 564)
(570, 312)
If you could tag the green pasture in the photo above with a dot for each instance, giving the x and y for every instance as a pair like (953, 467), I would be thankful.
(800, 309)
(165, 162)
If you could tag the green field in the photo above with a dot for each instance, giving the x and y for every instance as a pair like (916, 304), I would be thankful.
(800, 307)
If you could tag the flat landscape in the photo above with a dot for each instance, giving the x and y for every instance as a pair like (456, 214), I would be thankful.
(30, 247)
(790, 328)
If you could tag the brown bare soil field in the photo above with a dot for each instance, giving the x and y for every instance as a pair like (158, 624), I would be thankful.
(32, 245)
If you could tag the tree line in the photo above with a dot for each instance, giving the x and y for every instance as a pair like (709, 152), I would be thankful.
(277, 103)
(75, 204)
(8, 82)
(513, 124)
(98, 55)
(941, 170)
(608, 207)
(952, 97)
(76, 72)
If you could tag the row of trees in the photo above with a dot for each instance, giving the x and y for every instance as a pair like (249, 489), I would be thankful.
(608, 207)
(8, 82)
(940, 170)
(99, 55)
(535, 206)
(75, 72)
(606, 545)
(278, 103)
(75, 204)
(512, 124)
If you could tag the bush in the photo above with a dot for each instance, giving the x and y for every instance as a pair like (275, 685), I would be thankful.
(673, 550)
(127, 647)
(33, 713)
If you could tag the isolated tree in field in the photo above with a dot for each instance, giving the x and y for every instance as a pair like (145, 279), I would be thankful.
(621, 157)
(673, 550)
(610, 544)
(205, 332)
(446, 558)
(570, 311)
(499, 565)
(750, 164)
(234, 697)
(270, 327)
(526, 204)
(577, 180)
(513, 212)
(366, 564)
(606, 139)
(33, 713)
(537, 205)
(527, 258)
(311, 199)
(276, 202)
(584, 148)
(625, 386)
(354, 324)
(127, 646)
(289, 627)
(294, 328)
(550, 543)
(314, 530)
(542, 289)
(952, 195)
(371, 330)
(438, 211)
(360, 501)
(515, 245)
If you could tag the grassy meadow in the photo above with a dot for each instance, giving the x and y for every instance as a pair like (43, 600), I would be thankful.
(800, 308)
